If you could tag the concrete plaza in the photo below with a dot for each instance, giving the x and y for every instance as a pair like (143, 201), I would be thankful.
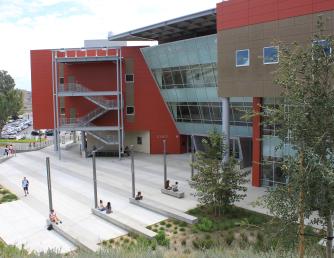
(23, 221)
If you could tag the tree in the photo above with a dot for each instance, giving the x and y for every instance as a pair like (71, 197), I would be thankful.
(306, 121)
(11, 99)
(218, 186)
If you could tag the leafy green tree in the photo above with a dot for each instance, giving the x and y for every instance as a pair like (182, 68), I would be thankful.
(11, 99)
(218, 186)
(306, 121)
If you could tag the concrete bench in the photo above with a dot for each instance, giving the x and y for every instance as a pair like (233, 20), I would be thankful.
(125, 223)
(164, 210)
(65, 233)
(177, 194)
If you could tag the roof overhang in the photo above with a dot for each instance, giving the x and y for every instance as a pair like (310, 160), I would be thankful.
(185, 27)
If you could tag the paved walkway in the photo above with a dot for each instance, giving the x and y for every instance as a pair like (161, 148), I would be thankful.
(73, 195)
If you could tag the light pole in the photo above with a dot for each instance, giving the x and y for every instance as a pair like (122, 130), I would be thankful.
(165, 163)
(94, 180)
(133, 172)
(48, 175)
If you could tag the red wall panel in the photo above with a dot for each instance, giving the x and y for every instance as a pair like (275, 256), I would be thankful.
(41, 85)
(239, 13)
(151, 111)
(256, 166)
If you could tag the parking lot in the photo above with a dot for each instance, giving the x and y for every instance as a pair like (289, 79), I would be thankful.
(18, 129)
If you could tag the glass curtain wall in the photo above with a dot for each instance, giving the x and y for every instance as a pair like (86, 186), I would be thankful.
(273, 150)
(186, 73)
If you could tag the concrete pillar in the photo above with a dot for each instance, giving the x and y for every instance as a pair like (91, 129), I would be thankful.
(165, 162)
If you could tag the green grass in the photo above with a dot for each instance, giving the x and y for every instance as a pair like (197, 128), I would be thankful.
(6, 196)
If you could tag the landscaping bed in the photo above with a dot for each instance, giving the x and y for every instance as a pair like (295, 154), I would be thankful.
(236, 228)
(6, 195)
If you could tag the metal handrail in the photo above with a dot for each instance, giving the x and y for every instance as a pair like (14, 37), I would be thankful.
(106, 103)
(84, 120)
(107, 138)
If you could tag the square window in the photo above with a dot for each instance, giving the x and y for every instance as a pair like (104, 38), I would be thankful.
(139, 140)
(129, 78)
(242, 57)
(130, 110)
(61, 80)
(270, 55)
(325, 44)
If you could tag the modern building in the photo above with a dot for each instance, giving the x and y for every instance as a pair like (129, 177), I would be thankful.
(208, 70)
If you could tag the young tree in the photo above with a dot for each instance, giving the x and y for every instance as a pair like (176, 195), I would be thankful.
(11, 99)
(306, 120)
(217, 185)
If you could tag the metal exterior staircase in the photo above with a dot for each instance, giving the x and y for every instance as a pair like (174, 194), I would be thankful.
(101, 98)
(106, 139)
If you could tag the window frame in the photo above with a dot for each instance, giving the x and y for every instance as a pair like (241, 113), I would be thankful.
(139, 140)
(130, 114)
(268, 63)
(236, 57)
(133, 77)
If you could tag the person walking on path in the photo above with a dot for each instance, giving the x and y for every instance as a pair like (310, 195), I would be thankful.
(25, 185)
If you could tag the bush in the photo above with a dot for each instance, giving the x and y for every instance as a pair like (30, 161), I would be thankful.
(182, 229)
(205, 225)
(229, 238)
(203, 243)
(161, 238)
(163, 223)
(183, 242)
(168, 225)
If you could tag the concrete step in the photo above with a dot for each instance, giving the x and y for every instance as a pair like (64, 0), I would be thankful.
(125, 222)
(164, 210)
(76, 235)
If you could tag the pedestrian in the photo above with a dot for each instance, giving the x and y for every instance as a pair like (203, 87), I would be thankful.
(11, 149)
(25, 186)
(6, 150)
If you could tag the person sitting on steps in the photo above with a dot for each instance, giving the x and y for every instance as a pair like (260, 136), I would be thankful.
(139, 196)
(167, 186)
(101, 206)
(108, 208)
(175, 187)
(53, 217)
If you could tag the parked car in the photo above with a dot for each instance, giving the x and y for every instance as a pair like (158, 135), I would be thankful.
(35, 133)
(49, 132)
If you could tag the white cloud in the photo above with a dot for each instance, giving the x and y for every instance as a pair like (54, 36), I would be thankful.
(45, 24)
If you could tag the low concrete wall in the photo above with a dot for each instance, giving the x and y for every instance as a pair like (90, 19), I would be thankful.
(125, 224)
(4, 158)
(164, 210)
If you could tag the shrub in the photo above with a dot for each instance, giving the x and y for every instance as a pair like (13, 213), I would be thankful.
(183, 224)
(168, 225)
(183, 242)
(161, 228)
(163, 223)
(182, 229)
(161, 238)
(203, 243)
(205, 225)
(175, 232)
(229, 238)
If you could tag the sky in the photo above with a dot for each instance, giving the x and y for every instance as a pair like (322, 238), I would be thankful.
(46, 24)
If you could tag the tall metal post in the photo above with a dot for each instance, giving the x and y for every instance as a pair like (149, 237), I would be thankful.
(165, 163)
(118, 106)
(121, 87)
(133, 172)
(55, 145)
(192, 158)
(57, 108)
(94, 180)
(48, 175)
(226, 128)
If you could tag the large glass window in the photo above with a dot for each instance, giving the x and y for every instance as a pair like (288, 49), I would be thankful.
(270, 55)
(325, 44)
(242, 58)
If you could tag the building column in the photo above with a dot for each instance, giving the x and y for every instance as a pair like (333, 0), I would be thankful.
(226, 128)
(256, 167)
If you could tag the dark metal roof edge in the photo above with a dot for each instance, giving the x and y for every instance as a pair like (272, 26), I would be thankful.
(160, 24)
